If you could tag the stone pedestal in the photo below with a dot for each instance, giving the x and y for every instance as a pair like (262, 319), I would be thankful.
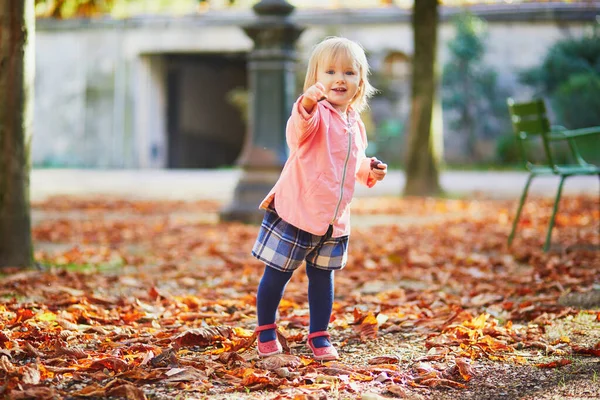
(271, 67)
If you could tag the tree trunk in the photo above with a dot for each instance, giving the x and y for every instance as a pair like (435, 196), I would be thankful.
(17, 29)
(422, 158)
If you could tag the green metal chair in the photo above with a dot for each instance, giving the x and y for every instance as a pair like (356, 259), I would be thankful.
(530, 123)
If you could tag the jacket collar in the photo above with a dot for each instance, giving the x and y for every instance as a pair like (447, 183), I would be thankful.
(352, 115)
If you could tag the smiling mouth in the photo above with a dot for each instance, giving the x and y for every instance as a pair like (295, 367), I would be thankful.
(339, 90)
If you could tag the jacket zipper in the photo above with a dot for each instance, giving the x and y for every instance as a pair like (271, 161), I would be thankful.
(337, 208)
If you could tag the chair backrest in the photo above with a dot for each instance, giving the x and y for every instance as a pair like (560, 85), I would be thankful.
(530, 123)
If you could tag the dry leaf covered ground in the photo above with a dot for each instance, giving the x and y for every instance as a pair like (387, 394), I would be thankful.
(156, 300)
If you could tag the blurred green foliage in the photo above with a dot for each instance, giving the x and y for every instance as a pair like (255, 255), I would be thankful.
(507, 150)
(565, 59)
(72, 8)
(64, 9)
(577, 101)
(569, 77)
(472, 99)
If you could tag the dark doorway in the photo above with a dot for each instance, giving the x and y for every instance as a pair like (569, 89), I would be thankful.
(204, 129)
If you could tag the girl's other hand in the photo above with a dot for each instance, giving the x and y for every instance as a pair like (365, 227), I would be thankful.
(378, 169)
(312, 96)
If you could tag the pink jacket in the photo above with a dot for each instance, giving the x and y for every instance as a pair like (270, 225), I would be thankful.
(327, 157)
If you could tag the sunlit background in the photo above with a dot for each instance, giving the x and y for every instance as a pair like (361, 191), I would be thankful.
(125, 8)
(131, 75)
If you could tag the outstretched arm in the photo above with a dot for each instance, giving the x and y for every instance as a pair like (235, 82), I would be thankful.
(312, 96)
(305, 116)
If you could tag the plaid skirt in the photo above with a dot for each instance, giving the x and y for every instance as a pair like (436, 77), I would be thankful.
(284, 247)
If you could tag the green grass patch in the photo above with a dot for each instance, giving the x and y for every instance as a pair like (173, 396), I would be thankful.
(582, 329)
(484, 167)
(6, 297)
(86, 268)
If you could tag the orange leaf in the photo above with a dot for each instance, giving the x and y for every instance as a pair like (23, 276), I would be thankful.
(204, 336)
(250, 378)
(367, 325)
(23, 314)
(110, 363)
(554, 364)
(465, 369)
(435, 382)
(127, 391)
(36, 392)
(3, 339)
(588, 351)
(384, 360)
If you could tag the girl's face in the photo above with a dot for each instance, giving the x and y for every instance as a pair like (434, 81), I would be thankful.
(341, 79)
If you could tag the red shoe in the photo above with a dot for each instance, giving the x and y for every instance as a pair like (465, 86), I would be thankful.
(269, 348)
(328, 353)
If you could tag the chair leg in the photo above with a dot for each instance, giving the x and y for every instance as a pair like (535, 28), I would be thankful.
(555, 208)
(523, 197)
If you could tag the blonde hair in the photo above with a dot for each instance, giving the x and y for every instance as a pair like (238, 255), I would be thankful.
(331, 48)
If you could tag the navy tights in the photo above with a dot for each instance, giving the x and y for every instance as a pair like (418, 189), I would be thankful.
(320, 300)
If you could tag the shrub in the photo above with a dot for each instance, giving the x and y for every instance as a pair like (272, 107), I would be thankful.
(470, 89)
(569, 77)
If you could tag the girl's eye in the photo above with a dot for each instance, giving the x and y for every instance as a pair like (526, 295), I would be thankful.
(329, 71)
(350, 73)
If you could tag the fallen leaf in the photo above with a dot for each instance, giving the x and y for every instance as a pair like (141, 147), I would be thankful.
(383, 360)
(279, 361)
(203, 336)
(554, 364)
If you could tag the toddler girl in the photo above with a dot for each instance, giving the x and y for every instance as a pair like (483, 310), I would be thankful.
(307, 215)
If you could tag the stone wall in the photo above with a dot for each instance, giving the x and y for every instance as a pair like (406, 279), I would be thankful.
(101, 85)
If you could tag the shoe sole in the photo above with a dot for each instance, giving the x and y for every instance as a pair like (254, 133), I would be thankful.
(327, 357)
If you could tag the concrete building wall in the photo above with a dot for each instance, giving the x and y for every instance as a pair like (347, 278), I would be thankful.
(101, 91)
(101, 85)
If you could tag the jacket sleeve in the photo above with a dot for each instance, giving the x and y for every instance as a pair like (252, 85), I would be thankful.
(301, 125)
(363, 174)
